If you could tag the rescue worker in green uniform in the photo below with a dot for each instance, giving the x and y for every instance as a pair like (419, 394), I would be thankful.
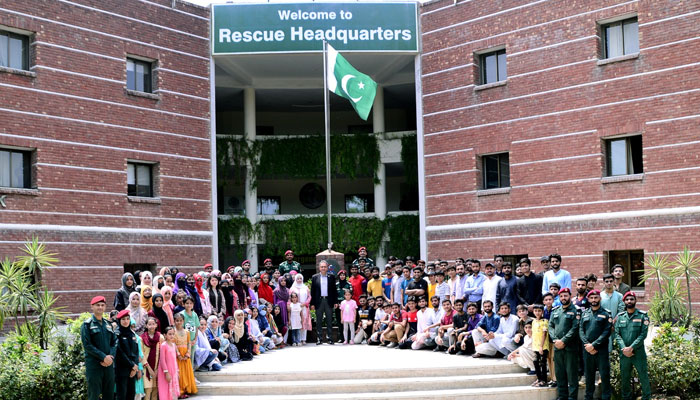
(100, 344)
(563, 330)
(289, 265)
(594, 331)
(631, 328)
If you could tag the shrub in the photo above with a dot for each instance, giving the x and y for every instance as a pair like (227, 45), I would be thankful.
(29, 373)
(674, 363)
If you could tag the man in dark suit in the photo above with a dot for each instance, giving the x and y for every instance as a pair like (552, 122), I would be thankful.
(324, 298)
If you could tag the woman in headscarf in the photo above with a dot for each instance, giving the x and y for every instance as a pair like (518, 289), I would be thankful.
(279, 323)
(265, 290)
(305, 299)
(230, 297)
(168, 305)
(121, 299)
(239, 336)
(241, 290)
(266, 313)
(146, 278)
(146, 298)
(203, 295)
(180, 283)
(164, 271)
(252, 295)
(159, 314)
(215, 295)
(275, 278)
(138, 314)
(220, 332)
(158, 283)
(281, 297)
(205, 357)
(192, 291)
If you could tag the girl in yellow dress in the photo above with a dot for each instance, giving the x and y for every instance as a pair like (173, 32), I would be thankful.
(184, 359)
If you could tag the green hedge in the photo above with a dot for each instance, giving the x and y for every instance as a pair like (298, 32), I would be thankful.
(308, 235)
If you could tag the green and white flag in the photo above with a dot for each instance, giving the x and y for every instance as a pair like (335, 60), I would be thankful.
(345, 81)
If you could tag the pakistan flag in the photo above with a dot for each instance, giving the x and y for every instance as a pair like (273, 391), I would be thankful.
(345, 81)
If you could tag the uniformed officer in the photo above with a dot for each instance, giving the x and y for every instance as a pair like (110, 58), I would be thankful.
(100, 344)
(631, 328)
(594, 331)
(563, 330)
(289, 265)
(126, 362)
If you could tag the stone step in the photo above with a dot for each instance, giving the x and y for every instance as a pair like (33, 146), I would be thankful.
(239, 373)
(320, 384)
(501, 393)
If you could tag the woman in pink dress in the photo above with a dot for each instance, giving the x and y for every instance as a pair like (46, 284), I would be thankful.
(168, 379)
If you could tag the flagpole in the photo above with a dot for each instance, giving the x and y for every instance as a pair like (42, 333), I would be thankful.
(326, 109)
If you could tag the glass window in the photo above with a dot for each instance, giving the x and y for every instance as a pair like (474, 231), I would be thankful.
(621, 38)
(14, 51)
(496, 171)
(624, 156)
(15, 169)
(359, 203)
(268, 205)
(138, 75)
(139, 179)
(493, 67)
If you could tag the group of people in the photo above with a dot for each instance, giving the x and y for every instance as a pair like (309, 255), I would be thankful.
(165, 327)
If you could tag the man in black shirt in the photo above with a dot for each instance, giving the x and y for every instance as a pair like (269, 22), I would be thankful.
(529, 286)
(419, 287)
(459, 323)
(365, 318)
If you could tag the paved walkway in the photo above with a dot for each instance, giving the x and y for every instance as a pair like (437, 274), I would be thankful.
(341, 357)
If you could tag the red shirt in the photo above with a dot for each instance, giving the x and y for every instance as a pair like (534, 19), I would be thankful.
(412, 316)
(356, 283)
(399, 318)
(448, 318)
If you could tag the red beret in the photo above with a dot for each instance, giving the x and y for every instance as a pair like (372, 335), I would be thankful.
(288, 252)
(565, 290)
(123, 313)
(630, 293)
(362, 248)
(97, 299)
(267, 260)
(208, 265)
(593, 292)
(245, 262)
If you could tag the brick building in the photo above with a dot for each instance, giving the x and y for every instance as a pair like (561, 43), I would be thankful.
(560, 126)
(105, 142)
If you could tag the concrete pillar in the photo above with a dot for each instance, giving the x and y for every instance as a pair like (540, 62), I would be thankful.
(379, 188)
(251, 194)
(213, 204)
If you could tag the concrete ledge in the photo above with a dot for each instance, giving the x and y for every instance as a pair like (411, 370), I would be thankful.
(618, 59)
(136, 93)
(145, 200)
(622, 178)
(20, 191)
(15, 71)
(490, 85)
(492, 192)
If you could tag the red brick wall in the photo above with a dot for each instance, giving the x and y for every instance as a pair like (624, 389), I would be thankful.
(555, 88)
(76, 113)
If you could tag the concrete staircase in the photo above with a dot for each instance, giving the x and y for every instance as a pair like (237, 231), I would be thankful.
(483, 379)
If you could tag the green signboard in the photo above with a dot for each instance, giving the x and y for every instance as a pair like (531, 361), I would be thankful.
(246, 28)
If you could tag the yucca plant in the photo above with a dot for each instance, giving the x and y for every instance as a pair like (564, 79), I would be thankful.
(687, 266)
(36, 258)
(656, 266)
(667, 304)
(47, 315)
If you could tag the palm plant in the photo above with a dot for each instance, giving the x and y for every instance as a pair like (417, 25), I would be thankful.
(687, 266)
(47, 315)
(656, 266)
(667, 304)
(22, 294)
(36, 258)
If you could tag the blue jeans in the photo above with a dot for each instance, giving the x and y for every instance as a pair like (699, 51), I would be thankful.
(296, 335)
